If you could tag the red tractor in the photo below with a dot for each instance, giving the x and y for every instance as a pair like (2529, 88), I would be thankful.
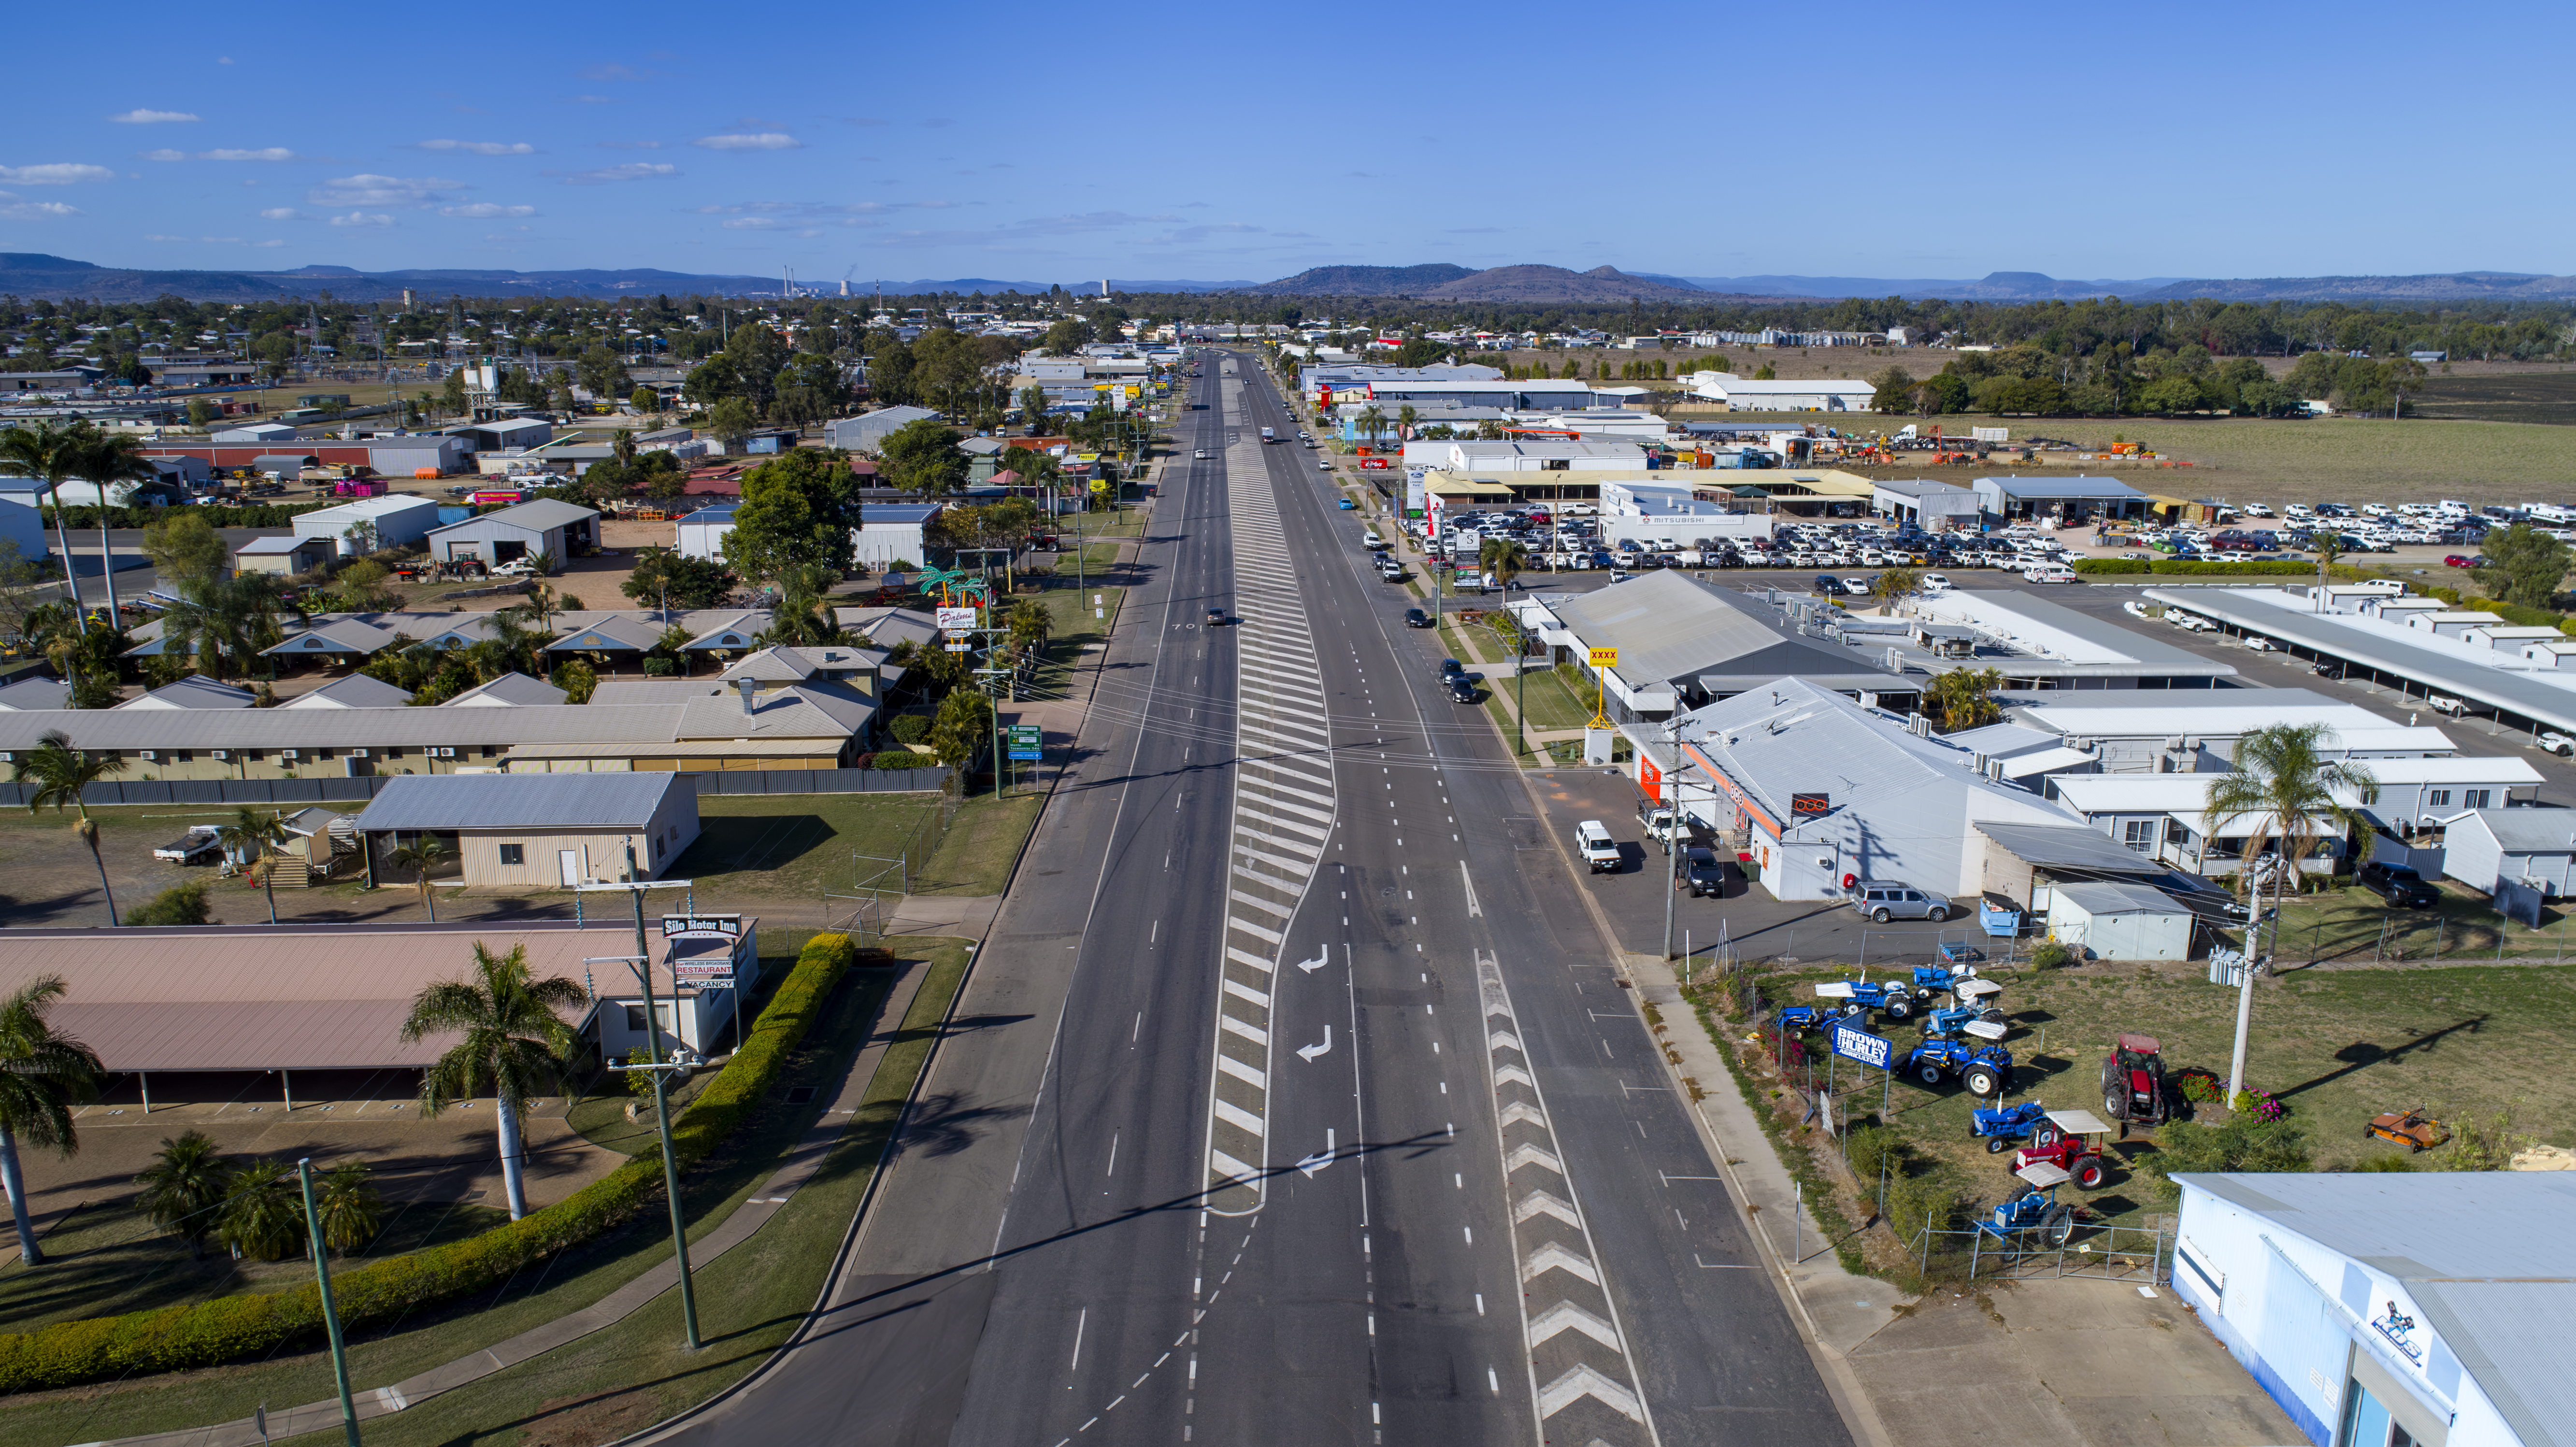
(2133, 1082)
(2074, 1146)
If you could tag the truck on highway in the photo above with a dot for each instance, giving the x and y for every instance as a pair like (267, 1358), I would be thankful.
(1266, 435)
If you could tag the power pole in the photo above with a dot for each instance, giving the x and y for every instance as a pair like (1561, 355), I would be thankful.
(330, 1311)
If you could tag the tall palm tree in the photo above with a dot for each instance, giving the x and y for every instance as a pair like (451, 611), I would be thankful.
(514, 1045)
(51, 454)
(226, 622)
(42, 1076)
(1404, 416)
(184, 1188)
(2285, 789)
(253, 836)
(2327, 550)
(60, 774)
(263, 1212)
(108, 458)
(1502, 557)
(423, 854)
(1372, 421)
(510, 644)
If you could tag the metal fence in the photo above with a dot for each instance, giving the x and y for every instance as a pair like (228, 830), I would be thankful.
(2140, 1254)
(224, 792)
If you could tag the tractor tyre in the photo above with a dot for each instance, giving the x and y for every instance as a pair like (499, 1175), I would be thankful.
(2116, 1105)
(1928, 1074)
(2059, 1226)
(1897, 1007)
(2089, 1176)
(1936, 914)
(1980, 1080)
(2045, 1134)
(1997, 1145)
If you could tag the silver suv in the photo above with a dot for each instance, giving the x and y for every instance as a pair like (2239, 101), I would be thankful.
(1884, 902)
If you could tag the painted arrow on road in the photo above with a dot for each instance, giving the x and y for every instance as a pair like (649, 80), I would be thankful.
(1317, 963)
(1320, 1159)
(1309, 1052)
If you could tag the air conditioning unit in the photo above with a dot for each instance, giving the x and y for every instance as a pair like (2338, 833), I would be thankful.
(147, 755)
(289, 754)
(8, 758)
(220, 755)
(442, 753)
(357, 753)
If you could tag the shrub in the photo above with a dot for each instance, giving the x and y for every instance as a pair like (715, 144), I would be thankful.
(2262, 1105)
(659, 668)
(903, 761)
(179, 904)
(2238, 1143)
(2386, 1163)
(231, 1327)
(2200, 1087)
(2098, 566)
(911, 728)
(1915, 1202)
(2051, 955)
(1874, 1147)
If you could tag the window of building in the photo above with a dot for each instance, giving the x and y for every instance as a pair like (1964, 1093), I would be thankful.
(2476, 798)
(514, 854)
(2438, 799)
(2141, 835)
(635, 1018)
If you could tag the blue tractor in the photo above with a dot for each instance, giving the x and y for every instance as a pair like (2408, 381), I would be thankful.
(1999, 1128)
(1812, 1017)
(1892, 998)
(1984, 1069)
(2033, 1208)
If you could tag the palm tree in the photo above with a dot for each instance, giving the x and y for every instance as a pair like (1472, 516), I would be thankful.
(1404, 416)
(801, 615)
(351, 1207)
(42, 1076)
(106, 459)
(1372, 421)
(2327, 549)
(51, 455)
(184, 1187)
(509, 644)
(1962, 698)
(252, 835)
(263, 1213)
(2284, 786)
(225, 622)
(1504, 558)
(61, 773)
(423, 854)
(514, 1045)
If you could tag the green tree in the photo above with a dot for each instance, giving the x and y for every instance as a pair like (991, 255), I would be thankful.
(2523, 566)
(252, 836)
(922, 457)
(51, 455)
(184, 1188)
(201, 412)
(1895, 391)
(645, 399)
(732, 420)
(1894, 585)
(1963, 698)
(1372, 421)
(180, 904)
(263, 1213)
(2285, 791)
(184, 547)
(1033, 403)
(663, 574)
(227, 622)
(424, 853)
(59, 774)
(1505, 558)
(513, 1046)
(602, 373)
(2241, 1143)
(43, 1074)
(963, 727)
(577, 679)
(350, 1206)
(799, 511)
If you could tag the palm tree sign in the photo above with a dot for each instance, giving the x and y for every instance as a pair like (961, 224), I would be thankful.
(42, 1076)
(513, 1046)
(252, 835)
(2288, 791)
(60, 773)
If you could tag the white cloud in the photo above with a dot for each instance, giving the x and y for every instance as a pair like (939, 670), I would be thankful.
(482, 148)
(486, 211)
(165, 154)
(760, 141)
(279, 213)
(631, 171)
(150, 117)
(280, 241)
(368, 189)
(60, 173)
(751, 223)
(210, 240)
(264, 153)
(362, 218)
(630, 145)
(37, 211)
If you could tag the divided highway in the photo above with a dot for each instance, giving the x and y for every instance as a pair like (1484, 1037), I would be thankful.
(1294, 1099)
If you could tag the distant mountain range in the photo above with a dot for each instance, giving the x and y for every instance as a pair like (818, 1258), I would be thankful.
(32, 275)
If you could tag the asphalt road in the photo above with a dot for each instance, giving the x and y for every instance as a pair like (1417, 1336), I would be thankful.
(1293, 1098)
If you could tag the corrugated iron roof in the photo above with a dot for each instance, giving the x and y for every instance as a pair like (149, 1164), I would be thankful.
(542, 515)
(519, 801)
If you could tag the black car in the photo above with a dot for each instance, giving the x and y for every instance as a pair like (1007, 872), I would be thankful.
(1702, 875)
(1450, 667)
(2327, 670)
(1462, 687)
(1416, 618)
(1829, 585)
(2399, 885)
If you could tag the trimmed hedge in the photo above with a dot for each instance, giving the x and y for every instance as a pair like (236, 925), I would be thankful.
(2514, 613)
(244, 515)
(2168, 566)
(228, 1328)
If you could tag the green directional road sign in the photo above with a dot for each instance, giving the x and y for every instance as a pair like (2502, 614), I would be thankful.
(1027, 741)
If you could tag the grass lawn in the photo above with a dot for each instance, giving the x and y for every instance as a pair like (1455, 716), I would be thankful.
(1553, 704)
(975, 856)
(797, 845)
(1075, 630)
(2356, 926)
(624, 1376)
(2339, 1046)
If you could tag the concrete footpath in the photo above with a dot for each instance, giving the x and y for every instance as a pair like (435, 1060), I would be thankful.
(798, 1166)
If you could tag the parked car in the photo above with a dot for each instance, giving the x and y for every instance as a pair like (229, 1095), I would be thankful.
(2457, 560)
(198, 846)
(1449, 666)
(1592, 840)
(2399, 885)
(2556, 743)
(2327, 669)
(1701, 874)
(1829, 585)
(1884, 902)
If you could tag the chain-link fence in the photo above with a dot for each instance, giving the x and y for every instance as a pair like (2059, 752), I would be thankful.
(2092, 1250)
(861, 904)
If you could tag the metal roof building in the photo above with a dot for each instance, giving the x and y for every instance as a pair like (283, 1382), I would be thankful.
(522, 530)
(497, 801)
(2036, 497)
(2393, 1309)
(2522, 691)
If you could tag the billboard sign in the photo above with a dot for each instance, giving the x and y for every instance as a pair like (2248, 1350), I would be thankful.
(955, 620)
(1853, 1043)
(1604, 657)
(1810, 806)
(725, 927)
(703, 973)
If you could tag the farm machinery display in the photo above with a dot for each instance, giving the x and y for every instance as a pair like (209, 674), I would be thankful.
(2001, 1126)
(1983, 1069)
(2033, 1208)
(1892, 998)
(2072, 1144)
(2412, 1129)
(2133, 1082)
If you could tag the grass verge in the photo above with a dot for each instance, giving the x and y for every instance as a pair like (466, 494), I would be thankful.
(794, 844)
(626, 1375)
(974, 858)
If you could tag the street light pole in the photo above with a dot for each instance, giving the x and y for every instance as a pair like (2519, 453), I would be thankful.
(330, 1311)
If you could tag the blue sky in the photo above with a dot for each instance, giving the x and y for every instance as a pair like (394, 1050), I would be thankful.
(1164, 140)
